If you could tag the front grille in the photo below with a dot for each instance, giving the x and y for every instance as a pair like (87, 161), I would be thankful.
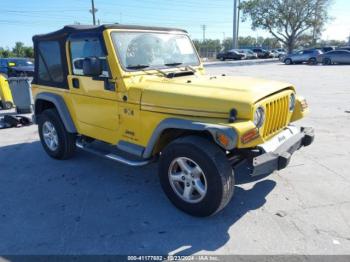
(276, 113)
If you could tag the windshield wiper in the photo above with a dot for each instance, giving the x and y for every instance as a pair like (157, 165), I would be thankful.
(146, 66)
(178, 64)
(173, 64)
(137, 66)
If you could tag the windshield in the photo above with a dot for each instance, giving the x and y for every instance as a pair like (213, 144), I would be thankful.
(140, 50)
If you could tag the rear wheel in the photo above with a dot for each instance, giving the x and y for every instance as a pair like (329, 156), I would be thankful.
(288, 61)
(55, 139)
(7, 105)
(222, 59)
(196, 176)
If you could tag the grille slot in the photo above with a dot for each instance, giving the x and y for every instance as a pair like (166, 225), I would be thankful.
(276, 116)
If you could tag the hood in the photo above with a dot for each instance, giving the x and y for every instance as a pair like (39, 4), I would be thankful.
(208, 96)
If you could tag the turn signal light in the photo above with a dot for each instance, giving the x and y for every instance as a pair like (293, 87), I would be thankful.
(223, 139)
(250, 135)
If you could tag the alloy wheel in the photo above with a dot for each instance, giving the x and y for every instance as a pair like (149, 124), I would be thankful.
(187, 180)
(50, 136)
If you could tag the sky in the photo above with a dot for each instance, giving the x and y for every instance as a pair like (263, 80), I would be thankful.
(21, 19)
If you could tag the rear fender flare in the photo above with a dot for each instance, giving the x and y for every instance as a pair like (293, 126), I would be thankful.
(61, 108)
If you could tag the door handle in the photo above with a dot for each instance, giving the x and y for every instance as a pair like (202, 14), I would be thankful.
(75, 82)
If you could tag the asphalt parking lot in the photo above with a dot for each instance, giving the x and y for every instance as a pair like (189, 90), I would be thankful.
(88, 205)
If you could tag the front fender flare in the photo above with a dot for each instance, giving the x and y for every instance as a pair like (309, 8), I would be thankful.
(174, 123)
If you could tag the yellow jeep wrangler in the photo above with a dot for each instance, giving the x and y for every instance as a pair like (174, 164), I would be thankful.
(136, 94)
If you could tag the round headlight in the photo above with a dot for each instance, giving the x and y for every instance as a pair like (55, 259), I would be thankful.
(291, 102)
(259, 117)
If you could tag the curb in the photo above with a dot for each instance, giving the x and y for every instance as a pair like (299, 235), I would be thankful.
(241, 62)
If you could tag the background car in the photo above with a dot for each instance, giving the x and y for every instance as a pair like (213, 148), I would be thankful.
(274, 53)
(230, 54)
(249, 53)
(262, 53)
(335, 57)
(12, 67)
(303, 56)
(344, 48)
(326, 49)
(278, 53)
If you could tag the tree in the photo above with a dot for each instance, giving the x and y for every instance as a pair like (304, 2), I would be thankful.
(18, 50)
(287, 20)
(227, 43)
(28, 52)
(246, 41)
(5, 53)
(208, 47)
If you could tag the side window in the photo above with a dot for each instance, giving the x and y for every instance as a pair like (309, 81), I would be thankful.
(82, 48)
(50, 63)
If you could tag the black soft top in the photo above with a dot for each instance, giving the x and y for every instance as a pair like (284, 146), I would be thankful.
(69, 29)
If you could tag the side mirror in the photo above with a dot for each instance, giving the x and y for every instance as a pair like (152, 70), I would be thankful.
(78, 63)
(92, 66)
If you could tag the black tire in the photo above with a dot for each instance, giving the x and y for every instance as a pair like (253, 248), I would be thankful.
(66, 140)
(327, 61)
(214, 164)
(288, 61)
(312, 61)
(222, 59)
(7, 105)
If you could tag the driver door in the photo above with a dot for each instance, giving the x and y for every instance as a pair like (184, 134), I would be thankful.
(298, 57)
(94, 99)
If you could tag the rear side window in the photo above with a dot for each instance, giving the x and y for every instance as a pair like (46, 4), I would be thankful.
(81, 48)
(50, 69)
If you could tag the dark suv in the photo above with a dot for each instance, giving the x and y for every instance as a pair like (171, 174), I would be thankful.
(12, 67)
(230, 54)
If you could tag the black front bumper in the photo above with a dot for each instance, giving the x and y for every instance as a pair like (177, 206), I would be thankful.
(279, 158)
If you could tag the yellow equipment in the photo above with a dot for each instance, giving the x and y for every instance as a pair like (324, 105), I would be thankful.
(5, 94)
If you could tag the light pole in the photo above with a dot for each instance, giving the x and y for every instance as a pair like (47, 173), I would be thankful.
(93, 11)
(235, 23)
(204, 27)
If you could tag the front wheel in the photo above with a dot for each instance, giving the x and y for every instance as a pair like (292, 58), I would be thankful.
(327, 61)
(55, 139)
(312, 61)
(196, 176)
